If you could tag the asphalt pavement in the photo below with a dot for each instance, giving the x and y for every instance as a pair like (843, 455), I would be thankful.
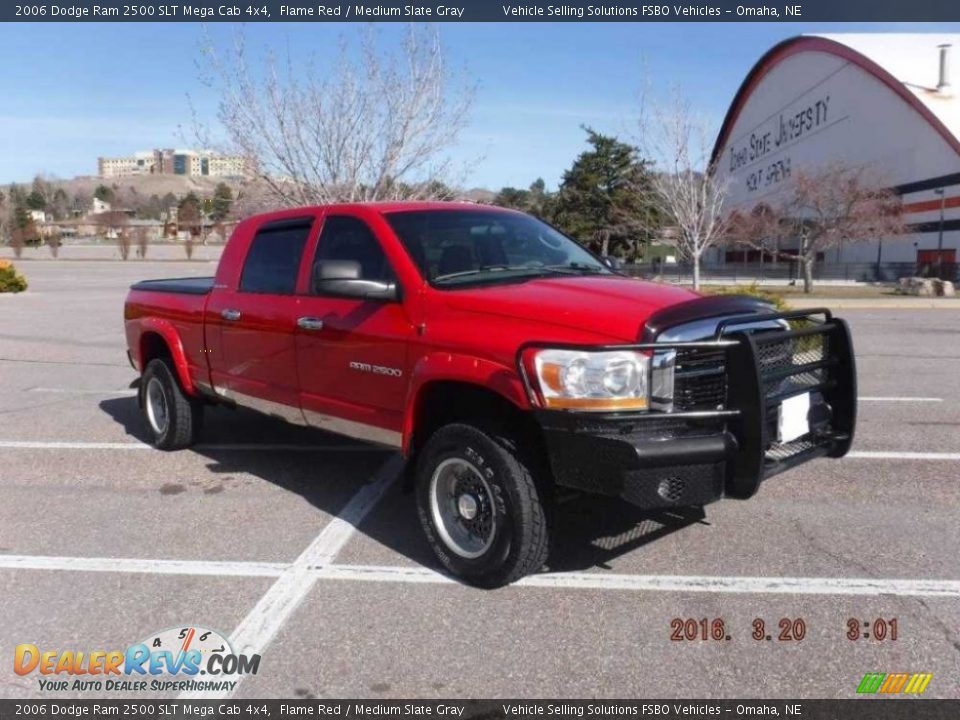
(302, 546)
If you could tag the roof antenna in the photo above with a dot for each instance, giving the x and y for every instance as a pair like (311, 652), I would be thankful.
(943, 84)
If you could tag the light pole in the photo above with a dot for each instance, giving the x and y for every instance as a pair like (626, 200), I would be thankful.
(943, 203)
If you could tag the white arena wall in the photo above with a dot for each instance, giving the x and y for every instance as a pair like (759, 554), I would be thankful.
(812, 101)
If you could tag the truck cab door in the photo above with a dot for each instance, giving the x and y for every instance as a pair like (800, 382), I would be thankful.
(352, 352)
(251, 328)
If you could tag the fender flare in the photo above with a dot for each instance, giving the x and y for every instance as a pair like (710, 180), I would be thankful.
(166, 330)
(489, 375)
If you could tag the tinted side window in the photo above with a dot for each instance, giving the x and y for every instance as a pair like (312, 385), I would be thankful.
(349, 238)
(274, 259)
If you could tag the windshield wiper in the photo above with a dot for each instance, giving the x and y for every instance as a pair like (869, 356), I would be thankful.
(491, 268)
(576, 268)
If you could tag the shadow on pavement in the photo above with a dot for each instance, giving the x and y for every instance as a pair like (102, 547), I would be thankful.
(589, 531)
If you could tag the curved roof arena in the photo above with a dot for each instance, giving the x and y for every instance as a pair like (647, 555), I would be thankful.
(908, 64)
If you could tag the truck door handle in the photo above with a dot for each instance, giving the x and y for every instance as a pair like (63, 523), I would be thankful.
(230, 314)
(310, 323)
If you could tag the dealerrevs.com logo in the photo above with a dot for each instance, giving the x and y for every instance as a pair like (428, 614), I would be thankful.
(175, 660)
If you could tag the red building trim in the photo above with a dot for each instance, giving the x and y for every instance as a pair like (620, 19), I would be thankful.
(932, 205)
(796, 45)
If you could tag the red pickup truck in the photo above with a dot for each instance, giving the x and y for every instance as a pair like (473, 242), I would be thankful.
(501, 358)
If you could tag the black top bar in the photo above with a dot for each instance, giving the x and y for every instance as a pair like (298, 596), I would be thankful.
(274, 11)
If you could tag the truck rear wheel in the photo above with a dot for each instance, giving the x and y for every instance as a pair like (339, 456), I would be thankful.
(478, 503)
(173, 418)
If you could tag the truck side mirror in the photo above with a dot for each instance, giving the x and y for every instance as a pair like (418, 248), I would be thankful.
(342, 279)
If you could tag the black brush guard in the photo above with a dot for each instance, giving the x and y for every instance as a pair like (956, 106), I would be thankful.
(688, 457)
(821, 363)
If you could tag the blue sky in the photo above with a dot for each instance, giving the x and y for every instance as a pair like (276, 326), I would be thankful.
(71, 92)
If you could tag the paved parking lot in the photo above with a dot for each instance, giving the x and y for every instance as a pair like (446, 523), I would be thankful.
(301, 546)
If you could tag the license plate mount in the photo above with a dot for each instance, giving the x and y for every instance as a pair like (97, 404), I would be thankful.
(793, 420)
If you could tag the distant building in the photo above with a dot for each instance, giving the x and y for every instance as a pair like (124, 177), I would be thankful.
(99, 206)
(877, 101)
(171, 161)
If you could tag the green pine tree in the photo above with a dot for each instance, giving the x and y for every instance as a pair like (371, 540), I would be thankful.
(605, 197)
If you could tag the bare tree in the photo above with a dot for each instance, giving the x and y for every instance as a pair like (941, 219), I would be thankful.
(190, 216)
(375, 125)
(821, 210)
(6, 221)
(685, 188)
(115, 224)
(123, 243)
(141, 236)
(54, 241)
(17, 241)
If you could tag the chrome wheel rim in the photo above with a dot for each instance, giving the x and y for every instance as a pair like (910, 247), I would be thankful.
(157, 412)
(462, 509)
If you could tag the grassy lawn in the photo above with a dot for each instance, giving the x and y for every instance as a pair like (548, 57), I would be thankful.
(824, 291)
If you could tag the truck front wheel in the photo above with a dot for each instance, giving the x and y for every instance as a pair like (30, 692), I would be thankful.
(479, 506)
(173, 418)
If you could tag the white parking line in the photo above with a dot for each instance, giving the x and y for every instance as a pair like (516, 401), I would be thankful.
(296, 579)
(233, 447)
(70, 391)
(669, 583)
(878, 398)
(891, 455)
(260, 626)
(143, 565)
(364, 448)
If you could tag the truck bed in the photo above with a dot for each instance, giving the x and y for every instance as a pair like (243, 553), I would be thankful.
(183, 286)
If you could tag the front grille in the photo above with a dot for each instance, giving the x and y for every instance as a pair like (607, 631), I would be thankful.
(700, 380)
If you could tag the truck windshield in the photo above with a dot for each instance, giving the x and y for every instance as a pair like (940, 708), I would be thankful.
(465, 247)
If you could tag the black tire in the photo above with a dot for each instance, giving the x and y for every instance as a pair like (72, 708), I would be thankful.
(517, 543)
(183, 414)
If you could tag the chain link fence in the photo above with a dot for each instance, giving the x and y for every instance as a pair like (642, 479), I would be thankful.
(786, 272)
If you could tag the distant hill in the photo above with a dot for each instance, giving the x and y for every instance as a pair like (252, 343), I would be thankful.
(146, 184)
(180, 185)
(478, 195)
(149, 195)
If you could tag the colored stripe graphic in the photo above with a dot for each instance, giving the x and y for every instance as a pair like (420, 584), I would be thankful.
(870, 683)
(894, 683)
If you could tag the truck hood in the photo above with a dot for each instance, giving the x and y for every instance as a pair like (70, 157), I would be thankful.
(615, 307)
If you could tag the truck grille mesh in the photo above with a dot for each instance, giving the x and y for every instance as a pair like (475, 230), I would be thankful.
(700, 380)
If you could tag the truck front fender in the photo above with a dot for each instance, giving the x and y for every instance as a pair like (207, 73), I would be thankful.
(493, 377)
(170, 336)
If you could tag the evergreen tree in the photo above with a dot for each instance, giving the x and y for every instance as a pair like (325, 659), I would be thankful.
(222, 202)
(605, 197)
(104, 193)
(189, 213)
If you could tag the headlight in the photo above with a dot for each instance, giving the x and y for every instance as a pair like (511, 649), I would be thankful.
(580, 380)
